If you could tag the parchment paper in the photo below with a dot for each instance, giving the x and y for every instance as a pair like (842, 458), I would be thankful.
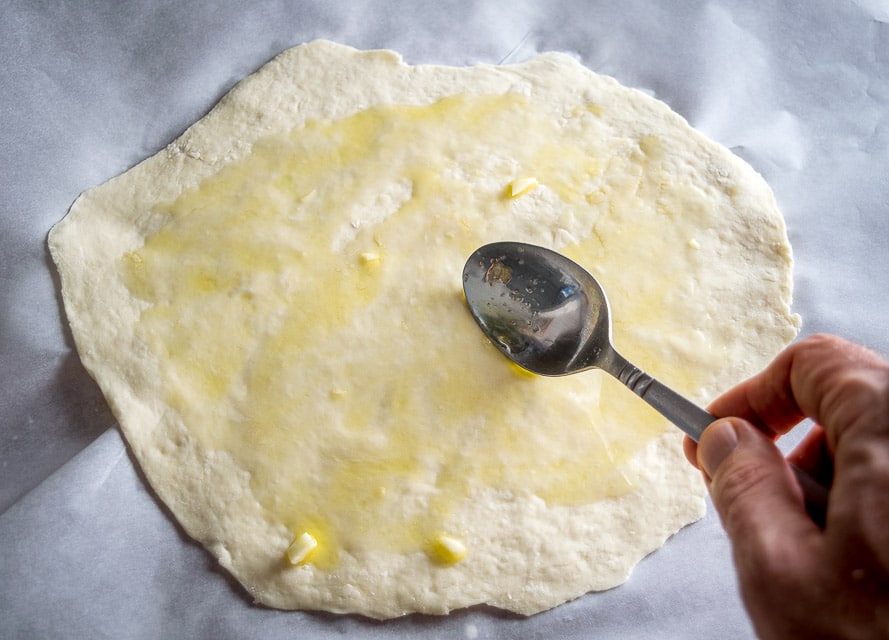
(799, 89)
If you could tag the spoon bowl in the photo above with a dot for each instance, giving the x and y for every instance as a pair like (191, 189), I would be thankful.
(550, 316)
(545, 312)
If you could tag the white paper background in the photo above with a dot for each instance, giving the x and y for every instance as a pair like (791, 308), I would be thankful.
(800, 90)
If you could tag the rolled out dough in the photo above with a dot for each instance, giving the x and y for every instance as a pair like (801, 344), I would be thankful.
(272, 307)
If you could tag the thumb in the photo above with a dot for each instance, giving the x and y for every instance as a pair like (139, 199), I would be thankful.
(751, 484)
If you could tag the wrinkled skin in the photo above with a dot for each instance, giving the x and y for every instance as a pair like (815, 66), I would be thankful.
(797, 580)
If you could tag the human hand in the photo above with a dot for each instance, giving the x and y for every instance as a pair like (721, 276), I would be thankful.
(797, 580)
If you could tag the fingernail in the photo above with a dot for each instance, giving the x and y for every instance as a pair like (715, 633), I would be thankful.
(719, 440)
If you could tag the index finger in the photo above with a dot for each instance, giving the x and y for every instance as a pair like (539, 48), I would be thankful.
(840, 385)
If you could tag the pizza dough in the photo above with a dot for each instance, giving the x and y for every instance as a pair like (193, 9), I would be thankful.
(272, 307)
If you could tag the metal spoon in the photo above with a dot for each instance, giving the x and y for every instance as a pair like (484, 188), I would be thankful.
(551, 317)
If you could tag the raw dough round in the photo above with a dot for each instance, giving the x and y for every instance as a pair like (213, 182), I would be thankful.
(272, 307)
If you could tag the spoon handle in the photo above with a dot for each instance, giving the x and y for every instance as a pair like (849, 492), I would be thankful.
(693, 420)
(683, 413)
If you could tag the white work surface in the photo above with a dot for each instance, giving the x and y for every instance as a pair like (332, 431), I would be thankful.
(87, 89)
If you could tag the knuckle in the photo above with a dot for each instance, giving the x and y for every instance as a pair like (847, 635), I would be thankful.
(734, 489)
(847, 386)
(769, 558)
(824, 339)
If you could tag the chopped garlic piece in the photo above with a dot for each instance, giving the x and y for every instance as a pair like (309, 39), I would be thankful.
(694, 244)
(447, 549)
(369, 256)
(522, 186)
(302, 546)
